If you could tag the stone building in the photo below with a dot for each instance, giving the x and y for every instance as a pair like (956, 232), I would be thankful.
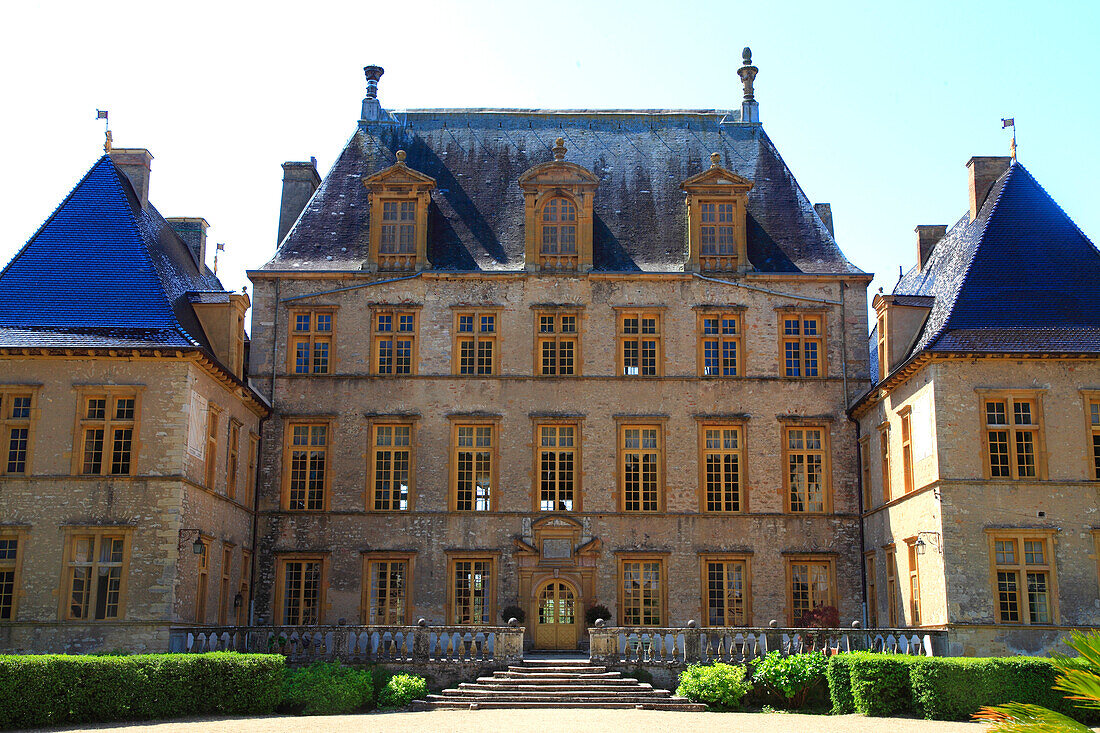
(557, 359)
(980, 438)
(128, 437)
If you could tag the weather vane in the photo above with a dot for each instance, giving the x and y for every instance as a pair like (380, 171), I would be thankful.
(1010, 122)
(101, 114)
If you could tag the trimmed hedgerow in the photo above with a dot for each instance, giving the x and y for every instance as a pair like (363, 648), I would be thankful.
(720, 686)
(880, 683)
(839, 676)
(402, 689)
(55, 689)
(327, 688)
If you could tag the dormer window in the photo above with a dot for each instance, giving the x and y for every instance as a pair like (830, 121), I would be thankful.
(398, 228)
(717, 220)
(399, 199)
(716, 230)
(558, 210)
(559, 234)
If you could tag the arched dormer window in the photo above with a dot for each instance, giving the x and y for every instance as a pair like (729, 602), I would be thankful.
(716, 200)
(558, 209)
(399, 198)
(559, 234)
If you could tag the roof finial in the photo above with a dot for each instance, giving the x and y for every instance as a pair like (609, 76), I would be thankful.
(107, 141)
(401, 157)
(559, 149)
(750, 111)
(1010, 122)
(373, 74)
(715, 158)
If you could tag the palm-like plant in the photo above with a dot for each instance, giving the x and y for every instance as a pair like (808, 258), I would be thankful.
(1080, 677)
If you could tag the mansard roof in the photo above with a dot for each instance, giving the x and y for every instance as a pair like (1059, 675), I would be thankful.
(640, 159)
(103, 272)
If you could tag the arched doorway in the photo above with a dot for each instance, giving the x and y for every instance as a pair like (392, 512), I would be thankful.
(556, 621)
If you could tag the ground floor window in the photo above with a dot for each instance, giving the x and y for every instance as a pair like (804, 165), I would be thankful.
(726, 591)
(811, 587)
(642, 591)
(1023, 577)
(300, 591)
(95, 573)
(11, 555)
(386, 591)
(473, 594)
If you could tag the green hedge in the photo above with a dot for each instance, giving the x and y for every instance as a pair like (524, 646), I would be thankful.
(41, 690)
(328, 688)
(839, 676)
(880, 683)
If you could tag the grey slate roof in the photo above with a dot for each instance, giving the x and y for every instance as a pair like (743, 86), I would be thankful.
(641, 157)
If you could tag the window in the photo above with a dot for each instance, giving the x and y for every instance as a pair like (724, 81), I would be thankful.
(245, 588)
(473, 591)
(726, 590)
(906, 449)
(475, 346)
(802, 344)
(880, 343)
(311, 341)
(716, 229)
(865, 471)
(558, 228)
(96, 561)
(720, 351)
(557, 343)
(233, 458)
(558, 468)
(1092, 412)
(15, 423)
(389, 469)
(640, 469)
(1023, 577)
(107, 429)
(722, 465)
(203, 581)
(558, 198)
(914, 584)
(892, 587)
(386, 590)
(884, 454)
(399, 201)
(11, 563)
(715, 201)
(872, 592)
(306, 480)
(474, 467)
(224, 599)
(300, 591)
(398, 235)
(253, 456)
(640, 344)
(394, 341)
(642, 591)
(1012, 436)
(806, 453)
(812, 586)
(211, 454)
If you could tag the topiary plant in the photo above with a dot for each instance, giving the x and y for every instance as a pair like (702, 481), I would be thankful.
(595, 613)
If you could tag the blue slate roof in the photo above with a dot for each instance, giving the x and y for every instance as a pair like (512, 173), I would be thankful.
(103, 271)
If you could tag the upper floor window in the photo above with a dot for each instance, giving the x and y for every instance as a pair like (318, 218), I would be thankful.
(558, 198)
(884, 456)
(802, 344)
(232, 463)
(250, 478)
(96, 561)
(1023, 577)
(1092, 414)
(640, 468)
(394, 341)
(716, 229)
(720, 344)
(475, 342)
(311, 341)
(107, 427)
(211, 453)
(806, 453)
(558, 227)
(305, 479)
(399, 199)
(865, 470)
(557, 343)
(880, 345)
(723, 452)
(1012, 436)
(906, 416)
(558, 469)
(15, 422)
(640, 344)
(389, 472)
(398, 234)
(716, 201)
(473, 463)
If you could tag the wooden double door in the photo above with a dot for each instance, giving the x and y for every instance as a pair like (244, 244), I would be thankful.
(556, 621)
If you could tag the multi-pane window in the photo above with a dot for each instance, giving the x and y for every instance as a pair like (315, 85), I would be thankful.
(884, 455)
(95, 571)
(311, 341)
(806, 453)
(390, 467)
(107, 427)
(640, 344)
(907, 450)
(640, 582)
(394, 341)
(202, 582)
(720, 344)
(301, 591)
(1024, 576)
(891, 587)
(398, 233)
(10, 557)
(640, 467)
(211, 454)
(723, 467)
(15, 414)
(801, 344)
(307, 447)
(914, 586)
(716, 230)
(726, 587)
(865, 470)
(232, 461)
(880, 345)
(472, 591)
(1012, 436)
(559, 227)
(476, 342)
(557, 469)
(386, 587)
(556, 344)
(250, 478)
(872, 592)
(1093, 408)
(811, 587)
(473, 469)
(225, 589)
(244, 589)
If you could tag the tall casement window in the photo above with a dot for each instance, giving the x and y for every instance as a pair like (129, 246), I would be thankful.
(1023, 577)
(640, 353)
(394, 341)
(12, 542)
(96, 561)
(812, 585)
(880, 344)
(1092, 417)
(472, 590)
(225, 588)
(15, 430)
(806, 457)
(716, 229)
(884, 457)
(872, 591)
(475, 343)
(914, 584)
(202, 582)
(233, 459)
(386, 590)
(641, 591)
(390, 467)
(557, 343)
(305, 482)
(802, 344)
(722, 466)
(107, 433)
(398, 234)
(473, 466)
(641, 480)
(300, 590)
(720, 352)
(726, 590)
(558, 234)
(1013, 436)
(891, 587)
(211, 453)
(865, 471)
(253, 456)
(558, 466)
(311, 341)
(906, 448)
(244, 587)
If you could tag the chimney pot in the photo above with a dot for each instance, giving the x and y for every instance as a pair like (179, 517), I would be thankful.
(825, 212)
(984, 172)
(928, 235)
(135, 164)
(300, 180)
(372, 108)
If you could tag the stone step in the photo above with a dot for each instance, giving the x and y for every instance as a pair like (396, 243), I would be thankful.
(557, 662)
(525, 679)
(576, 695)
(544, 669)
(682, 705)
(518, 672)
(494, 683)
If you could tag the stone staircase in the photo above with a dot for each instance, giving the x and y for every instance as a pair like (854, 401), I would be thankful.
(553, 683)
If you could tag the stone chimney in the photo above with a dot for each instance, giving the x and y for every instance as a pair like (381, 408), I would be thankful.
(750, 110)
(984, 171)
(135, 164)
(825, 213)
(372, 108)
(927, 237)
(300, 180)
(192, 230)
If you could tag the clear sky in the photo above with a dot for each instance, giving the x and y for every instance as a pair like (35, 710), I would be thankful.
(876, 107)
